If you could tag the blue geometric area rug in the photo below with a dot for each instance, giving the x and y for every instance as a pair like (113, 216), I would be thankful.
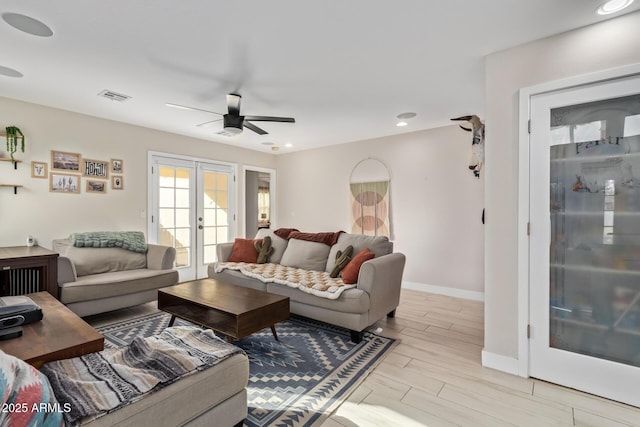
(296, 381)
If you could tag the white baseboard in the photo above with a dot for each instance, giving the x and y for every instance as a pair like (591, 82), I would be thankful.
(500, 363)
(443, 290)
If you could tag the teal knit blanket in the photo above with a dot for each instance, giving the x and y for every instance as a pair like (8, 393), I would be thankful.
(130, 240)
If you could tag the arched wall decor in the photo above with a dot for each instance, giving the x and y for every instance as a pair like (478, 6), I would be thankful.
(369, 185)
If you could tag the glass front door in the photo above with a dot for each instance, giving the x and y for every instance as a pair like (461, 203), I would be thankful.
(585, 245)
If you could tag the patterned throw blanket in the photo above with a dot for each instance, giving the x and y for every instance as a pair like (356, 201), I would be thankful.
(310, 281)
(99, 383)
(130, 240)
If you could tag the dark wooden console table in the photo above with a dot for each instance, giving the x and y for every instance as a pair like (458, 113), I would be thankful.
(25, 257)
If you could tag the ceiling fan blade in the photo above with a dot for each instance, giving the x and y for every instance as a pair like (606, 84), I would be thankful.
(233, 103)
(184, 107)
(270, 119)
(254, 128)
(208, 124)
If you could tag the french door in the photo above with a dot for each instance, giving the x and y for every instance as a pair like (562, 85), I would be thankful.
(192, 209)
(584, 274)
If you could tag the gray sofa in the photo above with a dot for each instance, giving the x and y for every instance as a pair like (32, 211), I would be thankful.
(378, 287)
(95, 280)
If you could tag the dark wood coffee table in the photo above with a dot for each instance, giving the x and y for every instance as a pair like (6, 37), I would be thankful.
(61, 334)
(234, 311)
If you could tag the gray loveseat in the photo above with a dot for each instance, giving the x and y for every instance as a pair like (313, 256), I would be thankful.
(95, 280)
(377, 292)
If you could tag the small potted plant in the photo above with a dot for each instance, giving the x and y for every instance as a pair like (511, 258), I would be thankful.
(13, 135)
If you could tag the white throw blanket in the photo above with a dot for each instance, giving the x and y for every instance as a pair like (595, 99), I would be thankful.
(310, 281)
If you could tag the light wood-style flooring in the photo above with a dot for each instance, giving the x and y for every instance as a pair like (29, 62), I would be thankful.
(434, 377)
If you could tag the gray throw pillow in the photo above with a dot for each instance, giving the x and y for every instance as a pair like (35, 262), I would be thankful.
(306, 255)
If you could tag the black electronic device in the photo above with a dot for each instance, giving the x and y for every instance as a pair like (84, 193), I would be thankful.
(8, 333)
(17, 311)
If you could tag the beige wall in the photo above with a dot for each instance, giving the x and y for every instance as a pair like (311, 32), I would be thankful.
(610, 44)
(46, 215)
(436, 203)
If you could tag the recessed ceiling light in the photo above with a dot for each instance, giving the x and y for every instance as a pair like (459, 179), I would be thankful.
(613, 6)
(407, 115)
(27, 24)
(9, 72)
(400, 124)
(288, 145)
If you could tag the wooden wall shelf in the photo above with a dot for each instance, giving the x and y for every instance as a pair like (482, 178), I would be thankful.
(15, 187)
(15, 162)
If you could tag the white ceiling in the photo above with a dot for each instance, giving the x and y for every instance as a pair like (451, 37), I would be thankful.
(343, 69)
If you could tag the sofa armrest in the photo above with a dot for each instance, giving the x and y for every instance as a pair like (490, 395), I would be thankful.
(381, 278)
(66, 270)
(160, 257)
(223, 251)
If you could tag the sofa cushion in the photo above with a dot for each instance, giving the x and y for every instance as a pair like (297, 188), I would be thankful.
(244, 251)
(379, 245)
(277, 243)
(306, 255)
(235, 278)
(350, 273)
(116, 283)
(350, 301)
(99, 260)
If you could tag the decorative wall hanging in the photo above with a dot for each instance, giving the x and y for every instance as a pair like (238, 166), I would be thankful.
(39, 170)
(117, 166)
(64, 183)
(63, 161)
(95, 186)
(117, 182)
(95, 168)
(369, 186)
(477, 143)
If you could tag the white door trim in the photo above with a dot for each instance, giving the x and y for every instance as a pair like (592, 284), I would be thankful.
(525, 95)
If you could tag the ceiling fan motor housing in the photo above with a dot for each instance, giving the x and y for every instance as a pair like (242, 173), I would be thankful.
(232, 123)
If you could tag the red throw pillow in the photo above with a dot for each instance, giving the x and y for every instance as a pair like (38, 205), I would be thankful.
(350, 273)
(244, 251)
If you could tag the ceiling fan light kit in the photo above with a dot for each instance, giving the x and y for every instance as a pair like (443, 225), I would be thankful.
(233, 124)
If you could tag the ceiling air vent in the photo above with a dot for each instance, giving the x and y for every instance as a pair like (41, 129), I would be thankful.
(114, 96)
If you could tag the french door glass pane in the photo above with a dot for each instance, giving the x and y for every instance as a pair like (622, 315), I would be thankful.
(595, 229)
(214, 215)
(174, 211)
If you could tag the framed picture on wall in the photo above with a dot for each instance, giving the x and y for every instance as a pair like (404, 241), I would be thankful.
(39, 170)
(117, 182)
(64, 183)
(117, 166)
(95, 168)
(64, 161)
(96, 186)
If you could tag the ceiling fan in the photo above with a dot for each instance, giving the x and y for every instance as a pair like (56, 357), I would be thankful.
(233, 121)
